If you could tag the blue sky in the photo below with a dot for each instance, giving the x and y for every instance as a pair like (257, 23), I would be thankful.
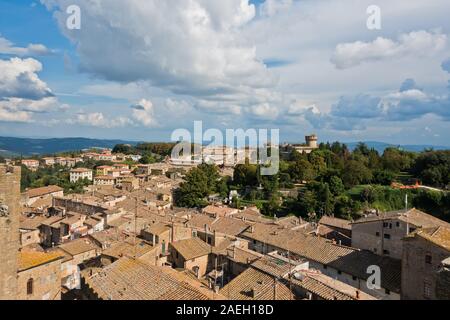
(141, 69)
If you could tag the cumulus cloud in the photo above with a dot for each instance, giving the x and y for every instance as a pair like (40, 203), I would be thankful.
(22, 93)
(19, 79)
(98, 119)
(143, 112)
(188, 47)
(352, 112)
(272, 7)
(416, 43)
(7, 47)
(264, 111)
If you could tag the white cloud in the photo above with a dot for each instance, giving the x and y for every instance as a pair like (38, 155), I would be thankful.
(418, 43)
(19, 79)
(143, 112)
(264, 111)
(188, 47)
(98, 119)
(22, 92)
(272, 7)
(7, 47)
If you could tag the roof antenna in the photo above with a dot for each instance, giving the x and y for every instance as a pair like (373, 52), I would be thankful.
(406, 203)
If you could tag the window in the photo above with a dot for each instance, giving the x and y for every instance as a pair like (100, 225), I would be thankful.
(30, 283)
(386, 252)
(427, 289)
(385, 224)
(339, 272)
(428, 259)
(387, 236)
(390, 225)
(209, 240)
(354, 278)
(324, 266)
(176, 254)
(377, 234)
(398, 224)
(388, 292)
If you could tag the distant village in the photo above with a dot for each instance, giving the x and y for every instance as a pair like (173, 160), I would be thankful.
(125, 239)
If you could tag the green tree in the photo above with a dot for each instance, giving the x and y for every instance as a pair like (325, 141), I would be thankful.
(356, 173)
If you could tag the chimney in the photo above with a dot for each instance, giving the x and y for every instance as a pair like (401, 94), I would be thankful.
(357, 294)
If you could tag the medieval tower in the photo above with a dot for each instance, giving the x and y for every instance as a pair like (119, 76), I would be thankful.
(9, 230)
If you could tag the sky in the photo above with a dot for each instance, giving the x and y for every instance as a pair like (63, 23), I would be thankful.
(140, 69)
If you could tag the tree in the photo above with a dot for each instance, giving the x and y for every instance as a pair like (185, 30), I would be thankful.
(200, 182)
(356, 173)
(124, 148)
(384, 177)
(433, 168)
(245, 175)
(302, 170)
(336, 185)
(271, 207)
(307, 202)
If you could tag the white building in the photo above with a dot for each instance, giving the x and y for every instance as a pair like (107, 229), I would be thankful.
(80, 174)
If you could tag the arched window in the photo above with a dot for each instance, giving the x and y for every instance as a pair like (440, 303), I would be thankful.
(30, 283)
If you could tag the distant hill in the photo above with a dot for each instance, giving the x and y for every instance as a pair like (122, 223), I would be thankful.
(27, 146)
(10, 147)
(381, 146)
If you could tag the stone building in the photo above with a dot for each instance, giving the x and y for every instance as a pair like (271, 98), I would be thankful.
(423, 253)
(383, 233)
(191, 254)
(443, 281)
(39, 276)
(9, 230)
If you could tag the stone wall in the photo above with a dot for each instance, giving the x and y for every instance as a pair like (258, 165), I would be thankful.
(419, 274)
(9, 230)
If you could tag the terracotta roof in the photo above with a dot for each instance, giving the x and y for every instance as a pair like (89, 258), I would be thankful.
(219, 211)
(127, 248)
(228, 226)
(129, 279)
(158, 228)
(78, 246)
(439, 236)
(243, 256)
(328, 288)
(192, 248)
(38, 192)
(273, 266)
(335, 222)
(200, 220)
(253, 284)
(346, 259)
(32, 259)
(412, 216)
(81, 170)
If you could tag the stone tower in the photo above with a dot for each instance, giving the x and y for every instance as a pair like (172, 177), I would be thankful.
(311, 141)
(9, 230)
